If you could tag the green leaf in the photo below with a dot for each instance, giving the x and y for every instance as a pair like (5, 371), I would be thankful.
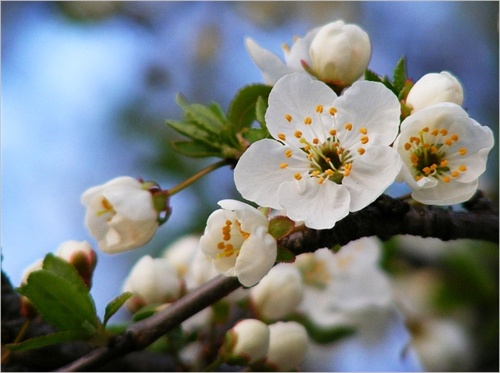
(242, 110)
(115, 305)
(399, 75)
(260, 112)
(196, 149)
(192, 130)
(255, 134)
(60, 302)
(209, 118)
(48, 339)
(285, 255)
(372, 77)
(280, 226)
(62, 268)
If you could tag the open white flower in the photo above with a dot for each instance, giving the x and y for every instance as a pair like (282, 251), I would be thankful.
(341, 287)
(120, 214)
(236, 238)
(336, 52)
(434, 88)
(444, 152)
(332, 154)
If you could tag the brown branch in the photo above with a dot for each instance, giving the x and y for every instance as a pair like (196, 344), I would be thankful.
(384, 218)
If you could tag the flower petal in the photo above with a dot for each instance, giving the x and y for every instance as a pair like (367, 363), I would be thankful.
(319, 206)
(131, 202)
(258, 174)
(298, 96)
(271, 65)
(443, 194)
(368, 105)
(371, 174)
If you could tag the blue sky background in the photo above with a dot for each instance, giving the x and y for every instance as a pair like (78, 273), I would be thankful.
(69, 88)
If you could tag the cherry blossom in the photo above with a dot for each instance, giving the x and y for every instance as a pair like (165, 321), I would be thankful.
(330, 155)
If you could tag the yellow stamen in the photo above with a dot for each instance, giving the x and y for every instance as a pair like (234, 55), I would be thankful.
(319, 109)
(281, 136)
(361, 151)
(297, 134)
(348, 126)
(332, 111)
(462, 168)
(446, 179)
(435, 132)
(315, 141)
(297, 176)
(455, 173)
(364, 139)
(283, 165)
(288, 117)
(307, 121)
(332, 132)
(288, 153)
(443, 132)
(363, 130)
(462, 151)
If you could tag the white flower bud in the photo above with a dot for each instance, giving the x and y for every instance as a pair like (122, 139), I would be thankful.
(246, 342)
(120, 214)
(81, 255)
(435, 88)
(279, 293)
(151, 281)
(181, 253)
(340, 53)
(288, 344)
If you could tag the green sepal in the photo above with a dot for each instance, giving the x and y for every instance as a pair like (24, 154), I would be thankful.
(323, 335)
(372, 76)
(260, 111)
(255, 134)
(196, 149)
(280, 226)
(47, 340)
(285, 255)
(60, 296)
(242, 109)
(113, 306)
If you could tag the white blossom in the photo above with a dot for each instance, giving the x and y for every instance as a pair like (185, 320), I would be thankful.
(248, 340)
(434, 88)
(337, 53)
(120, 214)
(236, 239)
(279, 293)
(341, 287)
(444, 152)
(330, 155)
(151, 280)
(288, 344)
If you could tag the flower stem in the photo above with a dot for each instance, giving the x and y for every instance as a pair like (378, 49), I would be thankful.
(196, 176)
(19, 337)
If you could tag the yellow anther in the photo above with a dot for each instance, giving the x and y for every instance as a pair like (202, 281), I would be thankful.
(443, 132)
(433, 166)
(455, 173)
(361, 151)
(443, 163)
(462, 168)
(347, 169)
(315, 173)
(414, 159)
(283, 165)
(332, 132)
(454, 137)
(297, 134)
(425, 129)
(332, 111)
(327, 160)
(220, 245)
(307, 121)
(329, 172)
(297, 176)
(319, 109)
(226, 237)
(348, 126)
(462, 151)
(315, 141)
(418, 177)
(415, 139)
(407, 146)
(321, 180)
(446, 179)
(307, 148)
(363, 130)
(435, 132)
(448, 142)
(281, 136)
(426, 170)
(288, 153)
(434, 149)
(310, 156)
(288, 117)
(364, 139)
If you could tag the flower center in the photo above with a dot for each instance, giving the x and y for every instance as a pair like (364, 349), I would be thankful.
(107, 208)
(327, 160)
(232, 239)
(430, 152)
(314, 272)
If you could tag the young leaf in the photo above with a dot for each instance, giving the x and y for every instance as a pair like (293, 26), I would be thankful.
(48, 339)
(242, 110)
(399, 75)
(260, 112)
(62, 268)
(191, 130)
(372, 77)
(60, 302)
(255, 134)
(204, 117)
(285, 255)
(115, 305)
(196, 149)
(280, 226)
